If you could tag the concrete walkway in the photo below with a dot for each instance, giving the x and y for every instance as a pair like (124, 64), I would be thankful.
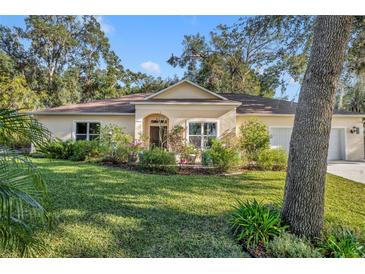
(354, 171)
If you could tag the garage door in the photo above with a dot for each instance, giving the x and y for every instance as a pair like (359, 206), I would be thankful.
(280, 137)
(336, 150)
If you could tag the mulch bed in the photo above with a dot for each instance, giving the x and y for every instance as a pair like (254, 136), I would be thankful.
(181, 169)
(258, 252)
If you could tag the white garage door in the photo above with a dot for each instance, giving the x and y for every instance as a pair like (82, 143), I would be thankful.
(280, 137)
(336, 150)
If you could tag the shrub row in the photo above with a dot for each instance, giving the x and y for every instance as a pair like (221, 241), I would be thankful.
(226, 154)
(71, 150)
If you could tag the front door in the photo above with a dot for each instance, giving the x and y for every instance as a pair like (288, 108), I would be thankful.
(158, 136)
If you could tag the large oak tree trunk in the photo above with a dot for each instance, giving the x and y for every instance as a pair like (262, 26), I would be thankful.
(304, 191)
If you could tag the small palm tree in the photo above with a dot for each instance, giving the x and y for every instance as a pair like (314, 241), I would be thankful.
(22, 188)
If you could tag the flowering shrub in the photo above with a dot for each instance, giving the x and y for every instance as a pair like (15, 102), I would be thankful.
(176, 139)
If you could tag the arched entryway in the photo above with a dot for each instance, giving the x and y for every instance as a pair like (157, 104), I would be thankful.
(156, 129)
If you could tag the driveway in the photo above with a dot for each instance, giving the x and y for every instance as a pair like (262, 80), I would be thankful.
(354, 171)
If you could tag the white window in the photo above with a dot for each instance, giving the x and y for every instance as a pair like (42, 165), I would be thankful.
(201, 134)
(87, 130)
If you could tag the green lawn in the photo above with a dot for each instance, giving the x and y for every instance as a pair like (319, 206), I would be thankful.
(109, 212)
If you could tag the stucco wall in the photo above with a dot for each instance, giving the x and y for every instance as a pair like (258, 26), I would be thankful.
(61, 126)
(354, 142)
(225, 116)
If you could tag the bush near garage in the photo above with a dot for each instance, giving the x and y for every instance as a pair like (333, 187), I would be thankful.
(221, 156)
(272, 159)
(253, 138)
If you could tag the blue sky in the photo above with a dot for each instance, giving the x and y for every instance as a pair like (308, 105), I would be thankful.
(144, 43)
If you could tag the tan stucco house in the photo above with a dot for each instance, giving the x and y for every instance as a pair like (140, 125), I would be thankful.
(202, 113)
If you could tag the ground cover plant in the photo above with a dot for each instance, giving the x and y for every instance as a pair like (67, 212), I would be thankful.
(291, 246)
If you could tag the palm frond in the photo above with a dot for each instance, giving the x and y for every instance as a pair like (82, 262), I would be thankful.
(22, 191)
(15, 125)
(18, 237)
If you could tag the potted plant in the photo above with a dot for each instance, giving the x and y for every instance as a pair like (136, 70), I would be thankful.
(189, 153)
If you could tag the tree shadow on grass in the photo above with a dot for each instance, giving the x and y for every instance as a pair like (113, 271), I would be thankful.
(111, 213)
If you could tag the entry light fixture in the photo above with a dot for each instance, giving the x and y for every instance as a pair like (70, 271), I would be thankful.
(355, 130)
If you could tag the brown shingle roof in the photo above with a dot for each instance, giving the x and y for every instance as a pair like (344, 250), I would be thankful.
(117, 105)
(262, 105)
(250, 105)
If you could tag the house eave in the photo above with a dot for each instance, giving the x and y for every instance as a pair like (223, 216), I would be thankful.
(223, 103)
(292, 115)
(83, 113)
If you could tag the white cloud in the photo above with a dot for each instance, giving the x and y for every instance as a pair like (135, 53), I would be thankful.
(151, 67)
(107, 28)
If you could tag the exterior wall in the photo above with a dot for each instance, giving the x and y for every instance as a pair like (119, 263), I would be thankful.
(225, 116)
(185, 91)
(62, 126)
(354, 142)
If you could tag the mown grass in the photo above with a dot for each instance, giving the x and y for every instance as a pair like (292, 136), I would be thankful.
(109, 212)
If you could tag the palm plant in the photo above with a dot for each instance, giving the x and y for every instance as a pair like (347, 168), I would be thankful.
(22, 189)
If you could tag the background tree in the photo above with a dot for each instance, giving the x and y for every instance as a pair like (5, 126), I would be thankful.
(352, 95)
(256, 55)
(14, 89)
(57, 60)
(142, 83)
(305, 182)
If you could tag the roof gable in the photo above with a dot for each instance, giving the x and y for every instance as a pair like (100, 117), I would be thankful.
(185, 90)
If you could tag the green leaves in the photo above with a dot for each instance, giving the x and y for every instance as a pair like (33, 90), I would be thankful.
(157, 160)
(253, 222)
(253, 56)
(254, 137)
(15, 125)
(22, 189)
(273, 159)
(291, 246)
(342, 242)
(61, 63)
(223, 157)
